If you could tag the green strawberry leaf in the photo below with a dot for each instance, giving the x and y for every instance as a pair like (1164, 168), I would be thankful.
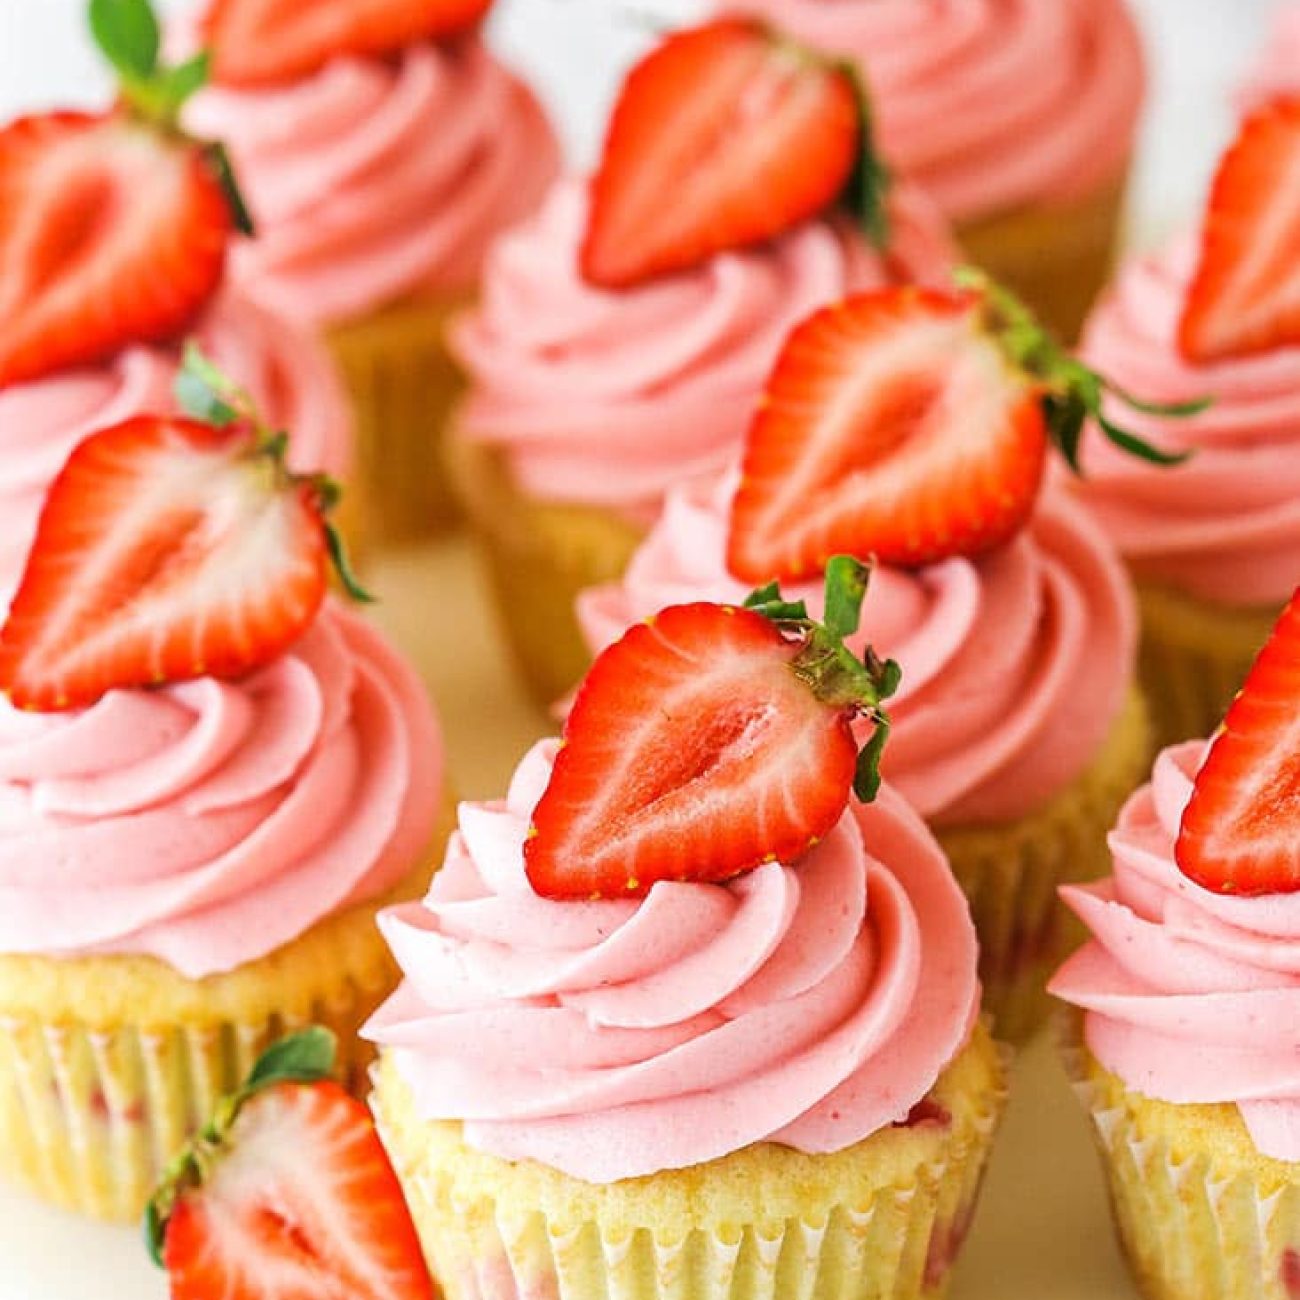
(304, 1057)
(866, 780)
(867, 195)
(846, 587)
(219, 161)
(127, 32)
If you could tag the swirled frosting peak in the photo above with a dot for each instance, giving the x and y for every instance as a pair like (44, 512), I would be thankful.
(374, 179)
(1014, 666)
(287, 373)
(1223, 526)
(610, 398)
(991, 105)
(206, 824)
(808, 1005)
(1190, 996)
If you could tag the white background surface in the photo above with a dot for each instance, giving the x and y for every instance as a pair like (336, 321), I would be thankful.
(1042, 1233)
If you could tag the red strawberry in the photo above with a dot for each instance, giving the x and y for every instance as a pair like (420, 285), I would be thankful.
(168, 549)
(288, 1194)
(110, 233)
(1241, 830)
(255, 42)
(708, 741)
(1246, 294)
(909, 424)
(726, 135)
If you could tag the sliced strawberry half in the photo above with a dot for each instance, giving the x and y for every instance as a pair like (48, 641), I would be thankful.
(288, 1194)
(111, 233)
(708, 741)
(1245, 297)
(258, 42)
(910, 425)
(725, 135)
(1241, 830)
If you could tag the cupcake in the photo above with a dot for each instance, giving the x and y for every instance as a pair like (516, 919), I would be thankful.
(210, 782)
(1018, 116)
(591, 1084)
(1213, 542)
(94, 314)
(378, 172)
(587, 403)
(1184, 1041)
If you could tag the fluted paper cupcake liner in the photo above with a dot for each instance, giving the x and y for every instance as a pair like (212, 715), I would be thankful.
(1057, 258)
(1011, 875)
(108, 1064)
(538, 557)
(1201, 1215)
(403, 383)
(884, 1220)
(1195, 657)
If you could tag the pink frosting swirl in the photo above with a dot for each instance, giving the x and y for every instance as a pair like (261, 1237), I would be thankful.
(809, 1006)
(1015, 666)
(208, 823)
(1225, 525)
(375, 179)
(991, 105)
(611, 398)
(287, 373)
(1191, 996)
(1278, 70)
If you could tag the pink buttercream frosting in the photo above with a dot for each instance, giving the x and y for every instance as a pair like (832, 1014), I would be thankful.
(1190, 996)
(208, 823)
(374, 180)
(991, 105)
(809, 1005)
(1277, 72)
(610, 398)
(1015, 666)
(1225, 525)
(287, 373)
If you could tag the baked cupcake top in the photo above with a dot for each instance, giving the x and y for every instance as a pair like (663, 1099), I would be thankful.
(377, 179)
(1224, 526)
(285, 371)
(809, 1005)
(1191, 978)
(611, 397)
(208, 823)
(1015, 664)
(991, 105)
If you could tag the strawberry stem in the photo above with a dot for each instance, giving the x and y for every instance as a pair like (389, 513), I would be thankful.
(305, 1057)
(830, 669)
(1072, 392)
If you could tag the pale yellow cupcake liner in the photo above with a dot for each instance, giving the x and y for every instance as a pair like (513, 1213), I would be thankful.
(538, 557)
(404, 384)
(1011, 874)
(1057, 258)
(1200, 1213)
(883, 1220)
(108, 1064)
(1195, 656)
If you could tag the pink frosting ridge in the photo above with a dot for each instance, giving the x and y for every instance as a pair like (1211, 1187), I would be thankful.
(208, 823)
(610, 398)
(377, 179)
(287, 373)
(1225, 525)
(809, 1005)
(1278, 70)
(1191, 996)
(1015, 666)
(991, 105)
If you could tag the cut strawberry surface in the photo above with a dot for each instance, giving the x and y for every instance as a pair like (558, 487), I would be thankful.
(259, 42)
(910, 425)
(708, 741)
(726, 135)
(288, 1194)
(110, 233)
(1245, 297)
(1241, 830)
